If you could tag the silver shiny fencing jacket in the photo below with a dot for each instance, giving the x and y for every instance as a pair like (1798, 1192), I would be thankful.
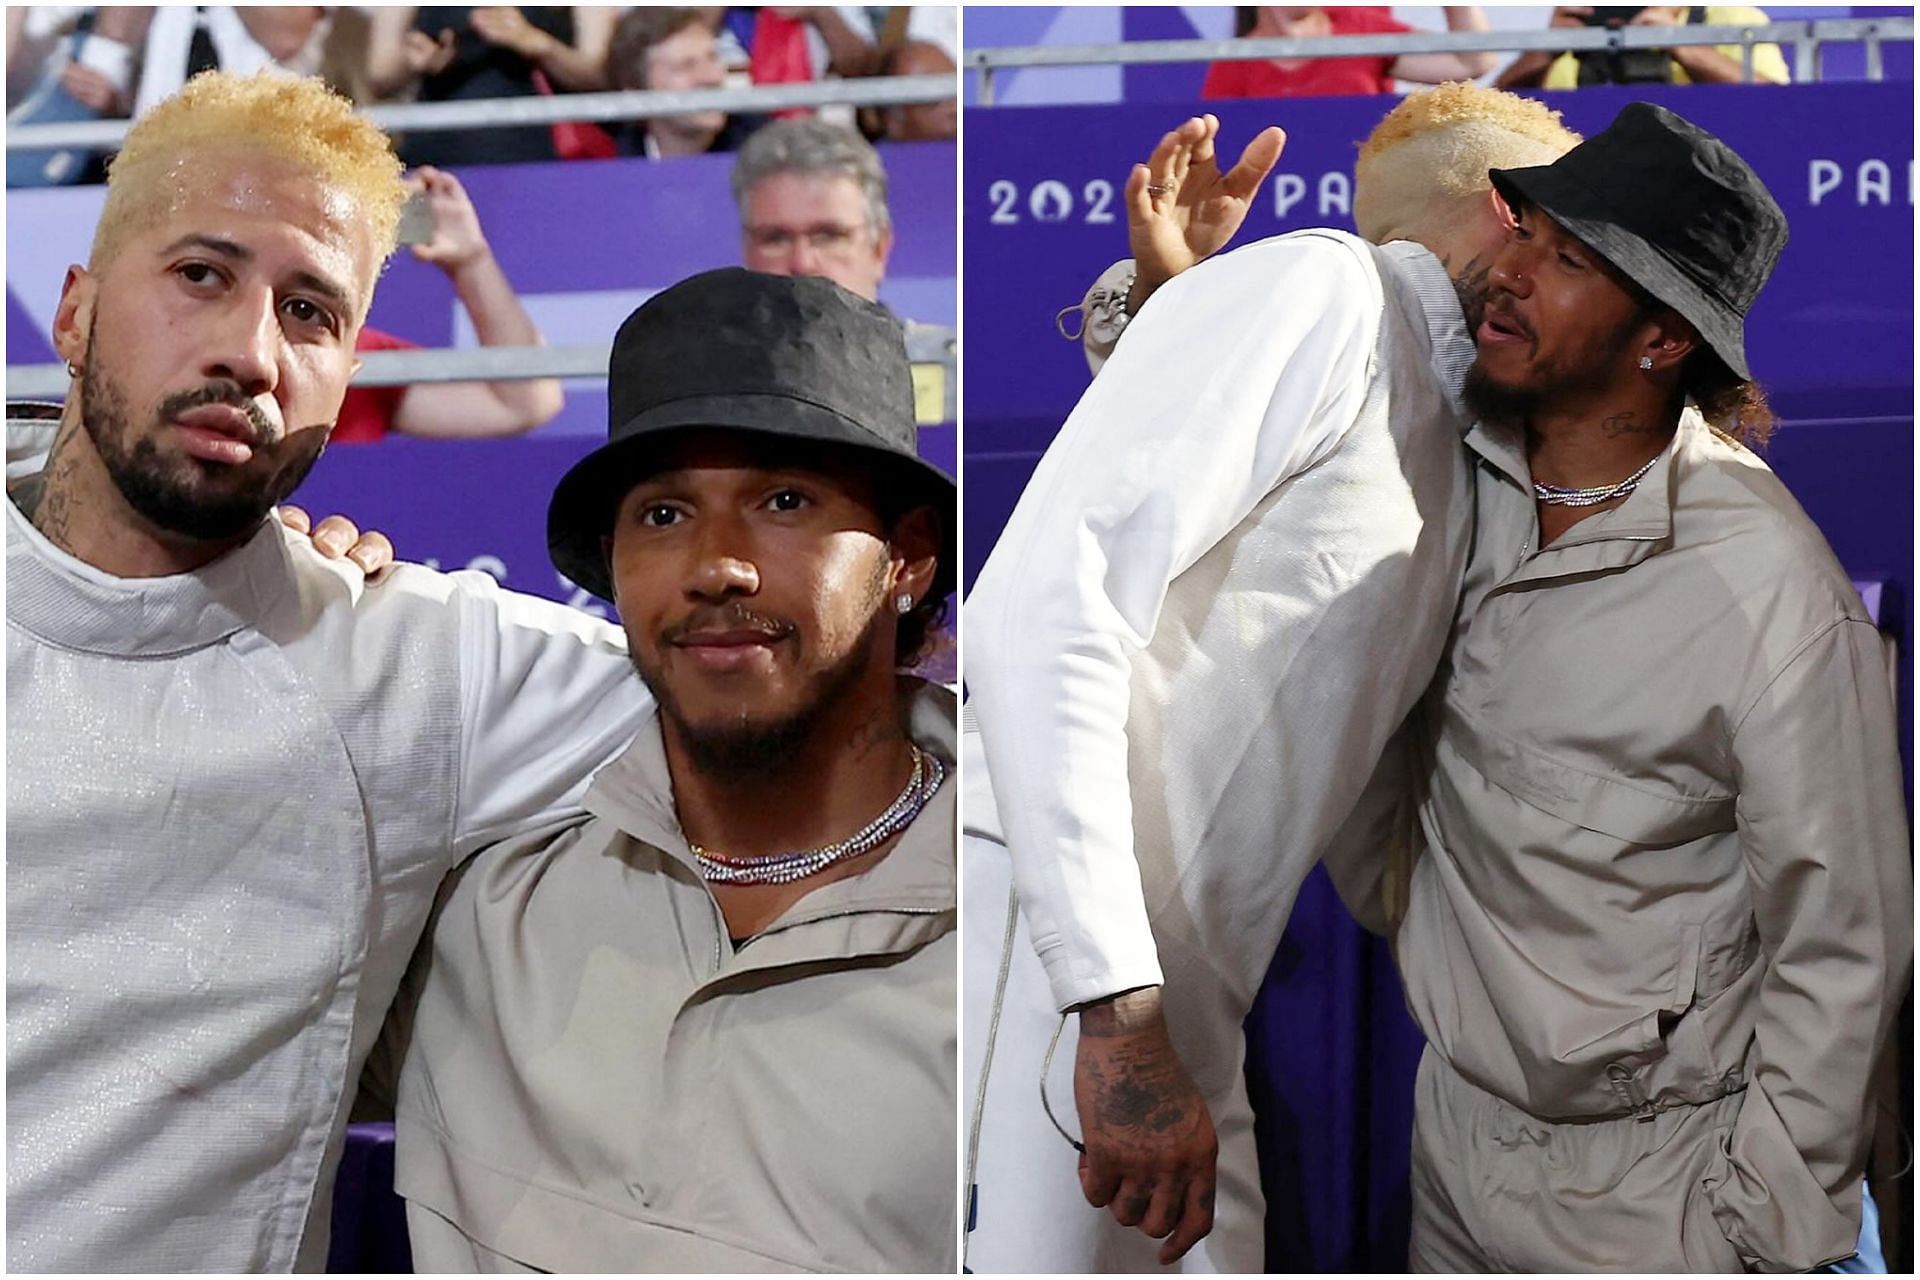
(599, 1080)
(1227, 582)
(1666, 849)
(231, 798)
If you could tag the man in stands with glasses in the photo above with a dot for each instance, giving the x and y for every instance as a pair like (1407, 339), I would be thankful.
(813, 202)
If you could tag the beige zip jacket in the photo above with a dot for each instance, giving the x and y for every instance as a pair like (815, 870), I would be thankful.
(599, 1081)
(1666, 847)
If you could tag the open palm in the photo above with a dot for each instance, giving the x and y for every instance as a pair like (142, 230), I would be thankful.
(1181, 208)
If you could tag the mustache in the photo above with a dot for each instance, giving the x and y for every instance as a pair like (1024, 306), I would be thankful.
(1495, 310)
(731, 617)
(227, 392)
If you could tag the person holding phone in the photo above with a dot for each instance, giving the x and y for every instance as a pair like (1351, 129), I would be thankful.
(440, 225)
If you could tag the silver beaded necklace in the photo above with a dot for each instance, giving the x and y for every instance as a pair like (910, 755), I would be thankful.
(1556, 496)
(785, 868)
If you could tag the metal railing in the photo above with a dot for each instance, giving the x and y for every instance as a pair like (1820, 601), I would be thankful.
(926, 345)
(1805, 37)
(630, 104)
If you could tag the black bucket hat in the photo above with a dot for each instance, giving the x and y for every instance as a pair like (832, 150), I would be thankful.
(797, 358)
(1675, 209)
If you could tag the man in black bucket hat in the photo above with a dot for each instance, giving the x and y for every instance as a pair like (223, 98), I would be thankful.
(1661, 922)
(709, 1026)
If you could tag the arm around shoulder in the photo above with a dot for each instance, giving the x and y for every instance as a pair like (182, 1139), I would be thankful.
(548, 696)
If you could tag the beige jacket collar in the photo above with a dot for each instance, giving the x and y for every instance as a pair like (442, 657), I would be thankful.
(906, 899)
(1639, 527)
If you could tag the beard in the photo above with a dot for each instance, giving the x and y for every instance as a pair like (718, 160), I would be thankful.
(202, 502)
(1515, 404)
(743, 746)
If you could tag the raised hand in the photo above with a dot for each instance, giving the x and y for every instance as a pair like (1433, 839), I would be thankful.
(457, 238)
(507, 27)
(425, 56)
(1181, 209)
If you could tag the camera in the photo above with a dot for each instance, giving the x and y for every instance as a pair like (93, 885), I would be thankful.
(1623, 66)
(1612, 15)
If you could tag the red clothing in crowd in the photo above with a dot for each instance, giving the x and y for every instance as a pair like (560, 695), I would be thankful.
(367, 412)
(1318, 78)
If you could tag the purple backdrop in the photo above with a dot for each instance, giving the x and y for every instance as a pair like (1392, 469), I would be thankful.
(1331, 1051)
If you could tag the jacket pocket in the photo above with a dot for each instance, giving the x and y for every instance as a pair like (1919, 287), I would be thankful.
(1633, 811)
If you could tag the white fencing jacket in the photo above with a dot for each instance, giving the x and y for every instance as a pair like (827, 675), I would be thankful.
(1228, 581)
(231, 797)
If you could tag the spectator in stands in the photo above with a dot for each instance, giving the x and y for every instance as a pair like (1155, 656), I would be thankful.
(64, 66)
(839, 39)
(182, 41)
(102, 75)
(1330, 77)
(1695, 64)
(813, 202)
(920, 121)
(454, 410)
(671, 49)
(453, 54)
(176, 42)
(792, 45)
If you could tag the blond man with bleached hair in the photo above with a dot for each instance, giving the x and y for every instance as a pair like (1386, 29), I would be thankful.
(1425, 165)
(1226, 586)
(236, 775)
(299, 122)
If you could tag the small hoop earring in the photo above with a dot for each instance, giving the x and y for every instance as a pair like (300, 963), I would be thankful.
(903, 603)
(71, 371)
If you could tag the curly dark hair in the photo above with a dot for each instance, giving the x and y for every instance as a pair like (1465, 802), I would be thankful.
(1732, 405)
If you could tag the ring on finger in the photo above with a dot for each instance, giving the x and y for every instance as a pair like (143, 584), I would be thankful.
(1158, 188)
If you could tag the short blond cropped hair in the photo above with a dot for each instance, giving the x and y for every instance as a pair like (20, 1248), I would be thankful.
(1441, 142)
(296, 120)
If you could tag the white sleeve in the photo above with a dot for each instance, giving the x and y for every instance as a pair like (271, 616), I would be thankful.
(1242, 372)
(29, 440)
(547, 697)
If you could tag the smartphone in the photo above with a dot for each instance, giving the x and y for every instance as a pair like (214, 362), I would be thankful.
(416, 220)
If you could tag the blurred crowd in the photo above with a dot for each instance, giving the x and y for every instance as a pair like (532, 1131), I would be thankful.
(72, 63)
(1323, 77)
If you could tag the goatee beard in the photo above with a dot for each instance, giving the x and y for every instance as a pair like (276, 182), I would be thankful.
(748, 750)
(160, 491)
